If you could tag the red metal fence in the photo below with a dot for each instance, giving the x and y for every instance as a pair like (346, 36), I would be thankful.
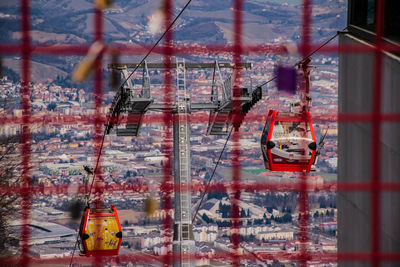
(27, 191)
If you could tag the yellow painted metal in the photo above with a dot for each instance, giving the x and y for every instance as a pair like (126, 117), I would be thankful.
(102, 232)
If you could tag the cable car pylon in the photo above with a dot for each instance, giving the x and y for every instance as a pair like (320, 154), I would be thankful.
(220, 105)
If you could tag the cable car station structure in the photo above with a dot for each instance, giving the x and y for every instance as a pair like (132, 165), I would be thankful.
(220, 107)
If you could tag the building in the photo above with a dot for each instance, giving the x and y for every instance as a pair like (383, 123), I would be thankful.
(44, 232)
(369, 150)
(275, 235)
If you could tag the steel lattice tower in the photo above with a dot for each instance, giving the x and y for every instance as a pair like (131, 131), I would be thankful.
(220, 107)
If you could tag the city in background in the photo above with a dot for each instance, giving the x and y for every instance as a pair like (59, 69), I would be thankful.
(269, 219)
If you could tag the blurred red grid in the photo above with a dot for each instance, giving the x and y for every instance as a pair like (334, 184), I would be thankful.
(168, 49)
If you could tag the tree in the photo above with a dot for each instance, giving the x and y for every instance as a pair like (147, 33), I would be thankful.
(327, 214)
(9, 175)
(52, 106)
(219, 193)
(322, 202)
(206, 218)
(224, 223)
(242, 213)
(225, 211)
(258, 221)
(286, 218)
(270, 209)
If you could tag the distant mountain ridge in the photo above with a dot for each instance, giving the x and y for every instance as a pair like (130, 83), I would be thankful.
(205, 22)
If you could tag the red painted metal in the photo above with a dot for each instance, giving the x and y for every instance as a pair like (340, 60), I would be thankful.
(237, 113)
(303, 164)
(237, 49)
(91, 213)
(200, 118)
(25, 137)
(375, 160)
(167, 146)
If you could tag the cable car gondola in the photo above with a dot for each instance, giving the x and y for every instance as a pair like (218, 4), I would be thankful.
(100, 232)
(288, 142)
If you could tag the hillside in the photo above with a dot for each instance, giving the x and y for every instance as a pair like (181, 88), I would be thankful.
(204, 22)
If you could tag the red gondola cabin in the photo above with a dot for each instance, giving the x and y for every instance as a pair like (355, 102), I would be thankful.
(288, 142)
(100, 232)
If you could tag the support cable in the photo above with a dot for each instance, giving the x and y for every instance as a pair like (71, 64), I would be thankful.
(216, 165)
(263, 84)
(109, 117)
(90, 190)
(212, 175)
(309, 55)
(205, 192)
(156, 44)
(132, 72)
(96, 167)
